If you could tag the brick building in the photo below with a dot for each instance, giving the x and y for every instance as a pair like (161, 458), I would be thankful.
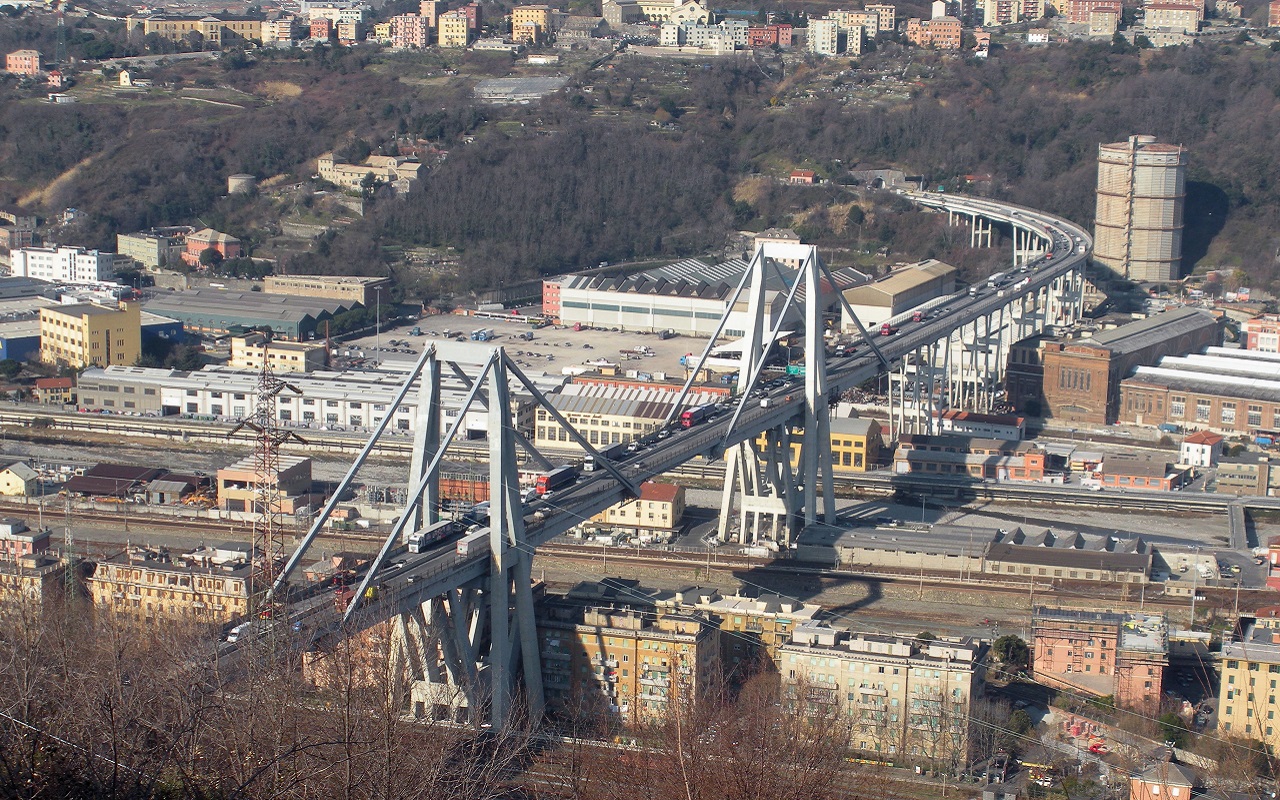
(1082, 376)
(1078, 11)
(942, 33)
(980, 459)
(1101, 653)
(1222, 389)
(1263, 333)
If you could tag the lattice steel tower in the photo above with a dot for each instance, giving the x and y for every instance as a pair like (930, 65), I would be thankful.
(268, 527)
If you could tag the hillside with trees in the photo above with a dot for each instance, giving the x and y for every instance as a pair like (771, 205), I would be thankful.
(660, 159)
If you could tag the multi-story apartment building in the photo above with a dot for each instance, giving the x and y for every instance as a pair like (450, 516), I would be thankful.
(225, 245)
(22, 62)
(532, 20)
(454, 29)
(769, 35)
(1174, 16)
(902, 697)
(281, 29)
(432, 9)
(888, 14)
(722, 36)
(1101, 653)
(1001, 12)
(942, 33)
(1273, 14)
(658, 510)
(629, 661)
(209, 585)
(30, 584)
(62, 264)
(824, 36)
(1250, 668)
(350, 32)
(408, 30)
(215, 28)
(869, 21)
(156, 248)
(1078, 11)
(1104, 20)
(321, 29)
(89, 335)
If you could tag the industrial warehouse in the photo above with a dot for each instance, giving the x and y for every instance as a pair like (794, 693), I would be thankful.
(215, 312)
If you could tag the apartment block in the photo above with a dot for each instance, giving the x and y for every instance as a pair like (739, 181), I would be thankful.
(30, 584)
(942, 33)
(22, 62)
(904, 698)
(1263, 333)
(209, 585)
(321, 29)
(432, 9)
(888, 14)
(1101, 653)
(154, 249)
(89, 335)
(454, 29)
(631, 662)
(1104, 21)
(534, 20)
(1273, 14)
(869, 21)
(824, 36)
(1078, 11)
(1173, 16)
(282, 29)
(1250, 668)
(62, 264)
(769, 35)
(409, 30)
(350, 32)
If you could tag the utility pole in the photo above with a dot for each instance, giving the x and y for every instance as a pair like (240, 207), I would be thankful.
(68, 553)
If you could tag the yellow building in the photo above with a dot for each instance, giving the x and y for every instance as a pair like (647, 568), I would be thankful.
(659, 509)
(90, 335)
(629, 661)
(751, 627)
(904, 698)
(248, 352)
(238, 485)
(454, 29)
(208, 585)
(1250, 667)
(522, 17)
(855, 445)
(30, 583)
(608, 415)
(348, 288)
(215, 30)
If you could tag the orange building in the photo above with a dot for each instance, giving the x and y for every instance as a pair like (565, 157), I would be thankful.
(1101, 653)
(942, 33)
(226, 246)
(23, 62)
(321, 28)
(1273, 15)
(1163, 780)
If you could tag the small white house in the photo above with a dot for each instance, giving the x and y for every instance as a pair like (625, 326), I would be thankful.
(1201, 449)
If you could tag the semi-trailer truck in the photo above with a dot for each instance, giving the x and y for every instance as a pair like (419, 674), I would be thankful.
(695, 416)
(611, 452)
(421, 541)
(472, 543)
(556, 479)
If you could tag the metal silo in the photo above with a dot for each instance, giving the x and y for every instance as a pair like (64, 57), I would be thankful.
(1141, 190)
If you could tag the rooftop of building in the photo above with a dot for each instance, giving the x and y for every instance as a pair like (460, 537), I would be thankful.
(231, 304)
(659, 492)
(903, 280)
(983, 419)
(637, 403)
(339, 280)
(1203, 437)
(81, 310)
(954, 652)
(853, 426)
(1169, 773)
(1147, 332)
(1137, 632)
(963, 444)
(1135, 466)
(203, 560)
(248, 463)
(22, 471)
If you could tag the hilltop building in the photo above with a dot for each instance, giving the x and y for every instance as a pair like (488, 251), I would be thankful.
(214, 29)
(225, 245)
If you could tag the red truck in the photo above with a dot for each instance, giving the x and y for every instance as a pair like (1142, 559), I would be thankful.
(887, 330)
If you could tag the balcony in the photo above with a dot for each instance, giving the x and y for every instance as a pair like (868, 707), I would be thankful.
(867, 690)
(654, 681)
(754, 627)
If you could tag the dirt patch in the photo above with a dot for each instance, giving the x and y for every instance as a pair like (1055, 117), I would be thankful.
(279, 90)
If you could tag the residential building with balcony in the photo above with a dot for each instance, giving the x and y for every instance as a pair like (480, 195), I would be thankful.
(17, 540)
(887, 12)
(62, 264)
(1249, 665)
(22, 62)
(658, 511)
(208, 585)
(453, 29)
(824, 36)
(904, 699)
(407, 30)
(629, 662)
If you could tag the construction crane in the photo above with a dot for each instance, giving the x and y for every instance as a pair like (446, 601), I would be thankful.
(268, 529)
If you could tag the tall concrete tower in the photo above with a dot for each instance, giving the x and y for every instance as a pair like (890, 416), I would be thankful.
(1141, 190)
